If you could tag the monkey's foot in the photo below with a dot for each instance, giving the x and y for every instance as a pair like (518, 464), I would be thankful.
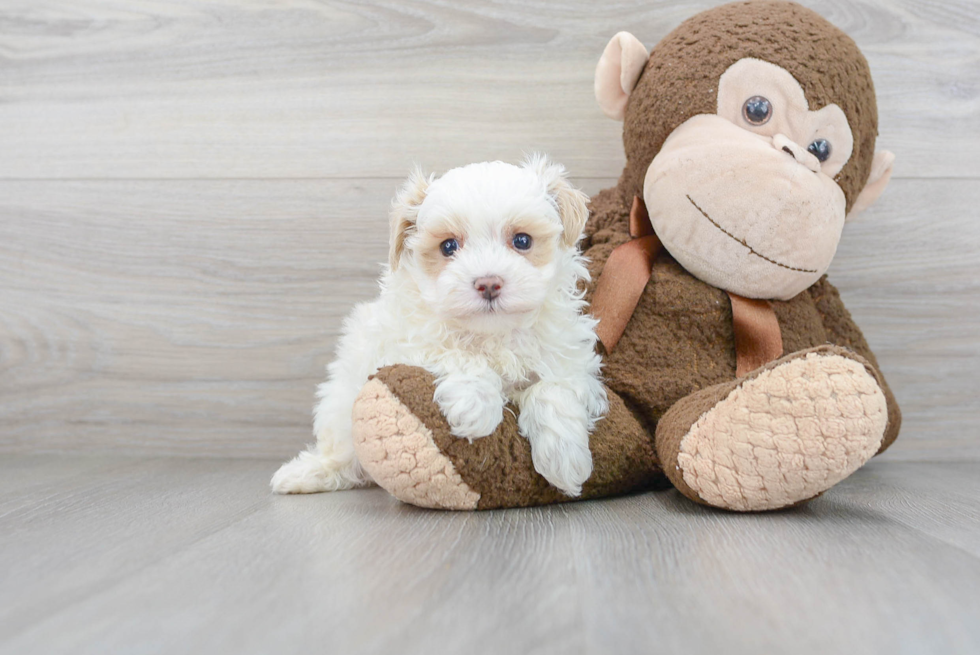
(404, 443)
(782, 435)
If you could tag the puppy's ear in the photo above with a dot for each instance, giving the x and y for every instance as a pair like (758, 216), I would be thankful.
(404, 213)
(573, 205)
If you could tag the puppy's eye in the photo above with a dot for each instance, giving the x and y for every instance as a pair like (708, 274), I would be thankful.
(820, 149)
(449, 247)
(757, 110)
(522, 241)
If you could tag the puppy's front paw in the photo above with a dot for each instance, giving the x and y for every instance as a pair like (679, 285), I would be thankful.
(556, 422)
(564, 462)
(473, 406)
(596, 400)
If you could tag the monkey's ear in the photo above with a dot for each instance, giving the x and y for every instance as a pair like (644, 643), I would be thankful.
(881, 173)
(573, 205)
(404, 213)
(619, 68)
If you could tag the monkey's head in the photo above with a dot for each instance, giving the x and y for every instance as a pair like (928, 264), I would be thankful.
(750, 134)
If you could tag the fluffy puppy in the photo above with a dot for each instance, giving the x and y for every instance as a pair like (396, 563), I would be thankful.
(481, 289)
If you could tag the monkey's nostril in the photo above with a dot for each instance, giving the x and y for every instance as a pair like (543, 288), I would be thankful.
(798, 154)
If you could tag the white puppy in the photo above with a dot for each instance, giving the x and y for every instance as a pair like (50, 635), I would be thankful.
(481, 290)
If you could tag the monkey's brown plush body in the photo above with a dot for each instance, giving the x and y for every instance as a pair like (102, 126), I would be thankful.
(682, 328)
(774, 436)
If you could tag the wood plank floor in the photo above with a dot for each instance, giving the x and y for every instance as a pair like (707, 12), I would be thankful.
(173, 555)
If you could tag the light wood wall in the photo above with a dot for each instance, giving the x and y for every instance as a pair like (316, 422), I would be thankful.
(193, 193)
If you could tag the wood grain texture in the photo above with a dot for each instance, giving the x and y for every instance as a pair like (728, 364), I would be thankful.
(193, 195)
(909, 272)
(180, 317)
(167, 555)
(217, 89)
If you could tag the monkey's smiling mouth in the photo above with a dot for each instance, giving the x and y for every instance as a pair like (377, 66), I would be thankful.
(752, 250)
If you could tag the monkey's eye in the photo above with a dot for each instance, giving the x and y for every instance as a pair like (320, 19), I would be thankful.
(757, 110)
(449, 247)
(820, 149)
(522, 241)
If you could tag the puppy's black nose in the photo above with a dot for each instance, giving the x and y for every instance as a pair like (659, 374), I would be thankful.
(489, 287)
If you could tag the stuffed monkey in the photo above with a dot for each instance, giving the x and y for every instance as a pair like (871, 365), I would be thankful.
(735, 374)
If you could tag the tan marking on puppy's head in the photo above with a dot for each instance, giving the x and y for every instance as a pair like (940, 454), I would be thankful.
(427, 243)
(572, 204)
(543, 242)
(404, 213)
(486, 209)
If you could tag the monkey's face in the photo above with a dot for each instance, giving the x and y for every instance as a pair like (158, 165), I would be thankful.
(747, 187)
(745, 198)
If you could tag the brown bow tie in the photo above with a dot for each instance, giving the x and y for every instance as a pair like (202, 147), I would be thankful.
(624, 277)
(758, 339)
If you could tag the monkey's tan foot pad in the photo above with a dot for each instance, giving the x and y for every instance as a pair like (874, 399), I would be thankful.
(782, 435)
(404, 443)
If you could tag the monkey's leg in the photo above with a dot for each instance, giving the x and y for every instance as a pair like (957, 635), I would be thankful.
(843, 331)
(782, 435)
(404, 443)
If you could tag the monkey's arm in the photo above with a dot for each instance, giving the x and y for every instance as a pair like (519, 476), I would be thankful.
(608, 215)
(607, 227)
(843, 331)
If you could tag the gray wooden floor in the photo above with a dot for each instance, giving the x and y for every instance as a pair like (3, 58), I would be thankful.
(173, 555)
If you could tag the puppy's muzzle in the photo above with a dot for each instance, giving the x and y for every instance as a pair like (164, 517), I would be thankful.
(488, 287)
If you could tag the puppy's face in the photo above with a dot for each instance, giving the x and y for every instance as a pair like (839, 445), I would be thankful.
(488, 242)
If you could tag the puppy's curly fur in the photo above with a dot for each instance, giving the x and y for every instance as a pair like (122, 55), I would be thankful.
(482, 290)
